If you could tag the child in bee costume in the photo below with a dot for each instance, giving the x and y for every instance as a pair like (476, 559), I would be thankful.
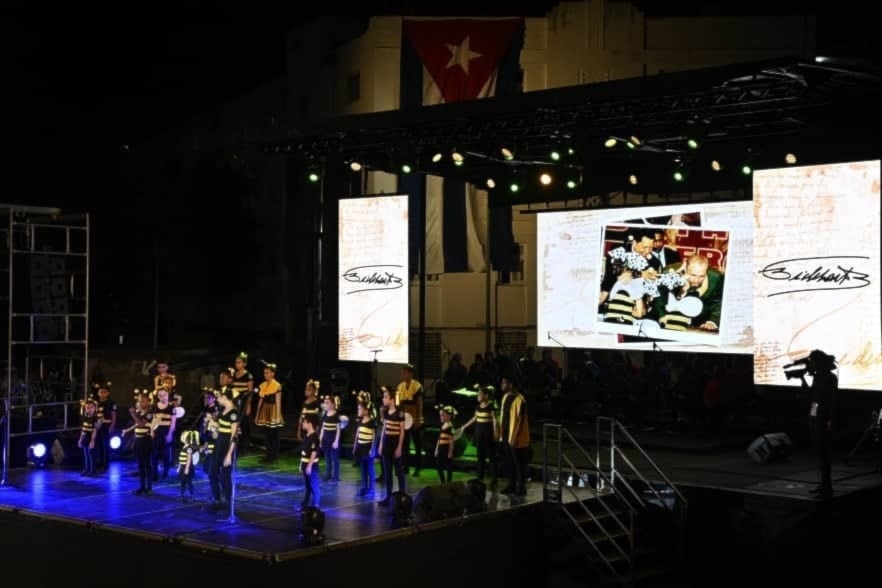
(188, 459)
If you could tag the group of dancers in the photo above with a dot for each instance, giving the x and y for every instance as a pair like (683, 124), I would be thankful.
(211, 441)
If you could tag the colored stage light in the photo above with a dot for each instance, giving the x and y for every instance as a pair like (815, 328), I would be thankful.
(38, 454)
(39, 450)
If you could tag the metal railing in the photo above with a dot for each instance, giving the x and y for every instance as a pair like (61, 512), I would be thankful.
(616, 478)
(70, 410)
(556, 485)
(621, 476)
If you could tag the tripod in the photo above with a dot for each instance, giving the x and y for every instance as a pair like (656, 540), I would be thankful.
(874, 432)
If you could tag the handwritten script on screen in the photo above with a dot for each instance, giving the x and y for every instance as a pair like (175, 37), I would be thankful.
(816, 270)
(372, 279)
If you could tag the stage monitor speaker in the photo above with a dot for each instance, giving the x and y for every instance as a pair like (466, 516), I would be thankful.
(453, 499)
(770, 447)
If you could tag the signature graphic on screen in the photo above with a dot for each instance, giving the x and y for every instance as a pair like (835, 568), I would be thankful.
(374, 277)
(810, 274)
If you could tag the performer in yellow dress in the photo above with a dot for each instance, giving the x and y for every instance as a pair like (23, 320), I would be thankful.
(269, 411)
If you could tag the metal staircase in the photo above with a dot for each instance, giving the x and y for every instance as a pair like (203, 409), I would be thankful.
(625, 518)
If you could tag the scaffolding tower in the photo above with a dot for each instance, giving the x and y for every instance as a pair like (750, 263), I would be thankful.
(44, 287)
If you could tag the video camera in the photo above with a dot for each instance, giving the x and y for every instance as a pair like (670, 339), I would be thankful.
(797, 369)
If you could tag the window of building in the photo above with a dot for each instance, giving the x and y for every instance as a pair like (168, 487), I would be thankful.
(353, 88)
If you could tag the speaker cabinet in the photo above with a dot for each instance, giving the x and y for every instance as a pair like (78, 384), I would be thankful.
(770, 447)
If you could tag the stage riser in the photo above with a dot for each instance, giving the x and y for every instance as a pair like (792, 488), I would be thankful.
(485, 550)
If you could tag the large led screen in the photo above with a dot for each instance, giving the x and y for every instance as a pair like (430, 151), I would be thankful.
(373, 279)
(816, 271)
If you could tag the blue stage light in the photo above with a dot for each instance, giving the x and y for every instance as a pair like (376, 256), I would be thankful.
(39, 450)
(37, 455)
(115, 442)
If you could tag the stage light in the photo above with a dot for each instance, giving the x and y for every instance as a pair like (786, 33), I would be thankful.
(491, 183)
(458, 163)
(355, 166)
(679, 176)
(571, 151)
(437, 157)
(406, 169)
(555, 156)
(115, 442)
(716, 165)
(746, 169)
(610, 143)
(37, 455)
(790, 158)
(692, 143)
(632, 179)
(39, 450)
(635, 140)
(457, 157)
(507, 153)
(514, 187)
(630, 145)
(571, 184)
(312, 526)
(402, 507)
(545, 179)
(313, 177)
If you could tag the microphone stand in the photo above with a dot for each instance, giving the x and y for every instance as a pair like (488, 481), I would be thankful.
(661, 356)
(232, 520)
(375, 368)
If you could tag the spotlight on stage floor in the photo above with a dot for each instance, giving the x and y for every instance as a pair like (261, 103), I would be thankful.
(115, 442)
(38, 453)
(402, 508)
(312, 526)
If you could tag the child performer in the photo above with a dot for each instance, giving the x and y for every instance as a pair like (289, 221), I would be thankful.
(186, 467)
(364, 449)
(309, 461)
(269, 411)
(243, 394)
(142, 415)
(330, 438)
(444, 447)
(164, 433)
(391, 444)
(311, 404)
(107, 421)
(88, 436)
(485, 438)
(221, 477)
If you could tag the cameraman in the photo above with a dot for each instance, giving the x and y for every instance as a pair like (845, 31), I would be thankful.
(822, 394)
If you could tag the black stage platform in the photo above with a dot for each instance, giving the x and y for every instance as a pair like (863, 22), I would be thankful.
(739, 512)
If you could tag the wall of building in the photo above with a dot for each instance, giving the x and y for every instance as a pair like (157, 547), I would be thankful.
(577, 43)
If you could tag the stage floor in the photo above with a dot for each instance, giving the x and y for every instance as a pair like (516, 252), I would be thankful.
(734, 471)
(267, 504)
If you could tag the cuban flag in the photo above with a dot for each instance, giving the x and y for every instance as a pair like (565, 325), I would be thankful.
(448, 60)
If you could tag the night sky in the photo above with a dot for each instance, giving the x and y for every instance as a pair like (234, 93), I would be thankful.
(80, 93)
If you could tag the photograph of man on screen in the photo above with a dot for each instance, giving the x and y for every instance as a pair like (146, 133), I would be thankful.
(663, 286)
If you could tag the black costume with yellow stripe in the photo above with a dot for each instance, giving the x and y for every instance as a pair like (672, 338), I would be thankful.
(144, 449)
(443, 459)
(221, 476)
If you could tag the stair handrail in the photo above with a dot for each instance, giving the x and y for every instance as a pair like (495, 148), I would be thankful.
(615, 424)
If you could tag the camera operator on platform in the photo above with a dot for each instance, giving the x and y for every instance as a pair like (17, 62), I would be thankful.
(822, 413)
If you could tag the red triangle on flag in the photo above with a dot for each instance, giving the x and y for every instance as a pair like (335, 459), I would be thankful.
(461, 54)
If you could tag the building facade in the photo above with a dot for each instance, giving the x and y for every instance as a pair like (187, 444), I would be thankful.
(576, 43)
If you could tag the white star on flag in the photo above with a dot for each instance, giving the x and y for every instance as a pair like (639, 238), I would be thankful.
(461, 55)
